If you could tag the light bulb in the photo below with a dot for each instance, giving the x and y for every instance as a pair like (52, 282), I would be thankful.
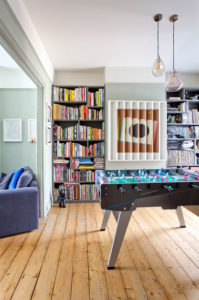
(158, 67)
(174, 82)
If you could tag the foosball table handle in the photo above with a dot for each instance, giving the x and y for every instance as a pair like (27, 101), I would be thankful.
(167, 187)
(195, 186)
(137, 189)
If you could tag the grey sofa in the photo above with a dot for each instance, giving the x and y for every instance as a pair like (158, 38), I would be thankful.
(19, 208)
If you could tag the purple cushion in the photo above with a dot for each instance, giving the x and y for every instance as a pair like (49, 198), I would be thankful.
(25, 179)
(5, 181)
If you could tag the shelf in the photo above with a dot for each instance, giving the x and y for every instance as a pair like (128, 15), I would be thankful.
(70, 102)
(88, 120)
(169, 166)
(182, 124)
(87, 169)
(76, 120)
(63, 141)
(96, 107)
(182, 100)
(181, 139)
(77, 201)
(62, 157)
(178, 112)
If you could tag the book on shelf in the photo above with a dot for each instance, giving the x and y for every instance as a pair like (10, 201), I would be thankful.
(62, 149)
(63, 162)
(88, 192)
(87, 175)
(72, 191)
(78, 150)
(61, 94)
(181, 157)
(96, 149)
(94, 114)
(61, 112)
(183, 132)
(96, 98)
(77, 132)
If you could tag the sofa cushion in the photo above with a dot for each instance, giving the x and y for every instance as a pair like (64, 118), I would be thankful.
(26, 178)
(13, 182)
(5, 181)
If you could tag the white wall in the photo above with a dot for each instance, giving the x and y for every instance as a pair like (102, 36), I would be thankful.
(14, 78)
(131, 75)
(90, 77)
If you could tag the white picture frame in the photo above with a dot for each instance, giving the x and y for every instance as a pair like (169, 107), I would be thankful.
(32, 130)
(49, 113)
(12, 130)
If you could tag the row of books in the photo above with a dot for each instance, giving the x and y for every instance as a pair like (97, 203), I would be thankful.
(94, 114)
(71, 192)
(70, 95)
(77, 132)
(96, 149)
(61, 173)
(183, 132)
(86, 175)
(79, 150)
(88, 192)
(172, 107)
(88, 163)
(193, 116)
(181, 157)
(61, 112)
(65, 112)
(96, 98)
(62, 149)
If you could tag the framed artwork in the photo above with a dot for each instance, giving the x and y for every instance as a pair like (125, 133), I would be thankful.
(49, 135)
(12, 130)
(49, 113)
(32, 130)
(136, 130)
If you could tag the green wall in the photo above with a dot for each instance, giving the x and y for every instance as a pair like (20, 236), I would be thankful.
(135, 91)
(19, 104)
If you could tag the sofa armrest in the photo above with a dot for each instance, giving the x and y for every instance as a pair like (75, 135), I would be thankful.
(19, 210)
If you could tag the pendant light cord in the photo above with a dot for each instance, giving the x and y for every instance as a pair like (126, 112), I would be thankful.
(173, 48)
(158, 40)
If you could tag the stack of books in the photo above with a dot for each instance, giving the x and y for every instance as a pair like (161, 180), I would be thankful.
(99, 163)
(86, 163)
(96, 98)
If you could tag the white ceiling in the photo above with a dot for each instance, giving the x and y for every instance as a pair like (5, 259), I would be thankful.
(96, 33)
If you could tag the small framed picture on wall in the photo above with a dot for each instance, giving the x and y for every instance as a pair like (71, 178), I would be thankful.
(49, 113)
(12, 130)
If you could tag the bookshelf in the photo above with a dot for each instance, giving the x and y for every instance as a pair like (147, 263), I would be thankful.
(78, 140)
(183, 128)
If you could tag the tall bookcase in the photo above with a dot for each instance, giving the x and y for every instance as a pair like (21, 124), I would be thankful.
(78, 140)
(183, 128)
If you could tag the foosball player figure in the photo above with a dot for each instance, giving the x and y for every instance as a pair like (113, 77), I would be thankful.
(62, 196)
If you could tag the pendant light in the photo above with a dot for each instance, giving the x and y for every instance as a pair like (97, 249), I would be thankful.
(158, 67)
(174, 82)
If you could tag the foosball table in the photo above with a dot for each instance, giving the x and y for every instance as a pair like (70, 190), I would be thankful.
(122, 191)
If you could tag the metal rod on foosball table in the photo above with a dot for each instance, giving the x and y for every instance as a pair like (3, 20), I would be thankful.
(122, 224)
(105, 219)
(180, 216)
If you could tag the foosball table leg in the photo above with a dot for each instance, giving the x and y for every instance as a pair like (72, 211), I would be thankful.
(122, 224)
(105, 219)
(180, 216)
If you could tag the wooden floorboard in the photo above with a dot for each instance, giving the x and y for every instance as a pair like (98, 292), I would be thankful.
(66, 258)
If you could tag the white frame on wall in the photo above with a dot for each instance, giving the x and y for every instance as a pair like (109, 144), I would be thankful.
(12, 130)
(112, 155)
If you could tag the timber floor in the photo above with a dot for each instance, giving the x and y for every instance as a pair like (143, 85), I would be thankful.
(66, 258)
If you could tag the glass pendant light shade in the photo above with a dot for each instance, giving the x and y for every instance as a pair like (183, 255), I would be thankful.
(174, 82)
(158, 67)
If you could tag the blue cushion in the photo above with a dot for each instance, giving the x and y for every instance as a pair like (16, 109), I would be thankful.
(13, 182)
